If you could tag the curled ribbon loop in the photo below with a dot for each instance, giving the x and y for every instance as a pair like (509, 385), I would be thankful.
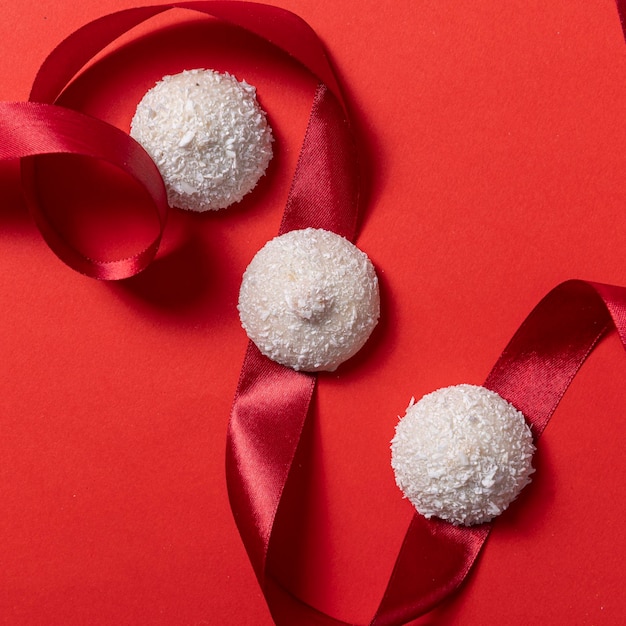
(23, 122)
(29, 129)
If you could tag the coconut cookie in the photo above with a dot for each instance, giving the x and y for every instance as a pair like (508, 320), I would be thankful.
(462, 454)
(309, 299)
(207, 135)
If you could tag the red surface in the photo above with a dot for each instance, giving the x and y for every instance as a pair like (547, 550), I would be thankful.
(494, 143)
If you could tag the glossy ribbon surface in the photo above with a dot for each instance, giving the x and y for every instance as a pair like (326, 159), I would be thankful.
(31, 129)
(533, 373)
(271, 405)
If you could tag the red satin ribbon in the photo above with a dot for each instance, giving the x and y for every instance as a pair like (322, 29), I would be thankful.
(269, 415)
(268, 421)
(31, 129)
(272, 403)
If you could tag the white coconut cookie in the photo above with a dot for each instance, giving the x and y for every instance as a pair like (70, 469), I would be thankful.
(207, 135)
(309, 299)
(462, 454)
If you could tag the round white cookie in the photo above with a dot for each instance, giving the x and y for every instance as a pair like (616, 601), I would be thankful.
(207, 135)
(309, 299)
(462, 454)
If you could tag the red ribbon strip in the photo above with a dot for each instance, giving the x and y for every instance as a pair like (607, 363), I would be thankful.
(533, 373)
(272, 403)
(31, 129)
(268, 418)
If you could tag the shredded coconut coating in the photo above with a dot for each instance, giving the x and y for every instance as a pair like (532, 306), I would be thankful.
(462, 454)
(207, 135)
(309, 299)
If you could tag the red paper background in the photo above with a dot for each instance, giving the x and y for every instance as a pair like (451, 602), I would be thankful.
(494, 146)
